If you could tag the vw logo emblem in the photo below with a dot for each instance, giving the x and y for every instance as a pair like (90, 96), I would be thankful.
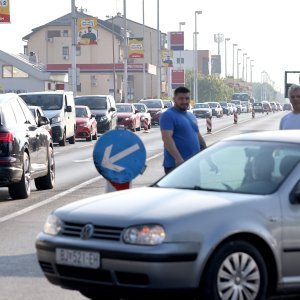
(87, 231)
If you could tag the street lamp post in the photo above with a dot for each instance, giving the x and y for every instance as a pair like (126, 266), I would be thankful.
(248, 57)
(251, 66)
(226, 40)
(158, 54)
(233, 46)
(113, 54)
(125, 55)
(180, 24)
(74, 65)
(197, 12)
(244, 54)
(237, 63)
(144, 59)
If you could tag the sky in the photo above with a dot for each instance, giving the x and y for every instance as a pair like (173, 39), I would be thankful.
(266, 30)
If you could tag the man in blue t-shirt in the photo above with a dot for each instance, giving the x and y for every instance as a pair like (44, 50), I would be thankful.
(292, 119)
(179, 131)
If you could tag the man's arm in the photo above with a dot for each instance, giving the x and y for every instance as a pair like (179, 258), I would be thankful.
(201, 141)
(170, 146)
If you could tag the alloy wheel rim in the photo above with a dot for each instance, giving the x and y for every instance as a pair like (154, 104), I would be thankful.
(52, 166)
(238, 278)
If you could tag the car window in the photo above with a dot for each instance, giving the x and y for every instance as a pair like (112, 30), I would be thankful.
(20, 116)
(9, 116)
(239, 167)
(124, 108)
(29, 117)
(152, 103)
(81, 112)
(45, 101)
(140, 107)
(93, 103)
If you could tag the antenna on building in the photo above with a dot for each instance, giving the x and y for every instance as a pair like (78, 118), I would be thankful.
(82, 10)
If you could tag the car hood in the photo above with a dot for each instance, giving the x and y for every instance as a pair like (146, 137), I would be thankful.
(124, 115)
(82, 120)
(147, 204)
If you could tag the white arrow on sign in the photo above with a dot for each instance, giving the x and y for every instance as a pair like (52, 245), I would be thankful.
(108, 161)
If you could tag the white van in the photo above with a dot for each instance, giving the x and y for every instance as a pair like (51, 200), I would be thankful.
(59, 108)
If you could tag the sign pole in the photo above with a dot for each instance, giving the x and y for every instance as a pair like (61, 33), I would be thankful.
(74, 38)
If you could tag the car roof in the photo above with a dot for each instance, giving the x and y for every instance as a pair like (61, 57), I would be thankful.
(81, 96)
(285, 136)
(47, 93)
(81, 106)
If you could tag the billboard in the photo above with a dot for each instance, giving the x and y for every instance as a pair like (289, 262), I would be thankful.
(178, 78)
(87, 31)
(136, 47)
(4, 11)
(216, 64)
(176, 39)
(167, 58)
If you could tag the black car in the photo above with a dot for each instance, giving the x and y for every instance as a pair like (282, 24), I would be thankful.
(287, 106)
(258, 107)
(103, 107)
(26, 149)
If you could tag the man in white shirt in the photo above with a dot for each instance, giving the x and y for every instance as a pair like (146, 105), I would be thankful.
(292, 119)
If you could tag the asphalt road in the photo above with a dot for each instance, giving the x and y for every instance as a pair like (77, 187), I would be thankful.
(76, 178)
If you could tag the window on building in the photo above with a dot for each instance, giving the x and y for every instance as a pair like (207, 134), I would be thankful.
(78, 51)
(13, 72)
(182, 60)
(54, 33)
(65, 33)
(65, 51)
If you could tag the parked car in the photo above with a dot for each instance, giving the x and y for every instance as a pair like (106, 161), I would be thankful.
(128, 116)
(227, 109)
(216, 108)
(103, 107)
(202, 110)
(273, 106)
(287, 106)
(226, 220)
(26, 149)
(258, 107)
(144, 113)
(40, 117)
(279, 106)
(155, 107)
(86, 124)
(238, 105)
(59, 107)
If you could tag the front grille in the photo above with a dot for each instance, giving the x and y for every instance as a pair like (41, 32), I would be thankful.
(85, 274)
(46, 267)
(132, 278)
(100, 232)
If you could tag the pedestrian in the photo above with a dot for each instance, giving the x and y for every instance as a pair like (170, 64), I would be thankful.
(180, 132)
(292, 119)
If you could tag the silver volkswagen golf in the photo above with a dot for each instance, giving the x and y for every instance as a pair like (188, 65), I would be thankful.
(223, 225)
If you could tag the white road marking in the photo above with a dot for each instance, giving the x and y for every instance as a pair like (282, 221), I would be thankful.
(83, 160)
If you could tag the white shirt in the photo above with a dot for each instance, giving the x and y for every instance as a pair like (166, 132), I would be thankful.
(290, 121)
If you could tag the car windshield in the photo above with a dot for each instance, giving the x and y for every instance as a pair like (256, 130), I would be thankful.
(81, 112)
(93, 103)
(236, 166)
(236, 102)
(124, 108)
(242, 97)
(45, 101)
(223, 104)
(167, 103)
(213, 104)
(152, 103)
(140, 107)
(201, 105)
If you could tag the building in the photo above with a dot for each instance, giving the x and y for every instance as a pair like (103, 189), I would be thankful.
(21, 73)
(100, 65)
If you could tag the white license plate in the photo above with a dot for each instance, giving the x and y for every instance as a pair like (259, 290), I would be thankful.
(76, 258)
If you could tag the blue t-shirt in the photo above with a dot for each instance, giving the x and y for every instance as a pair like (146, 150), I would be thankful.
(290, 121)
(185, 134)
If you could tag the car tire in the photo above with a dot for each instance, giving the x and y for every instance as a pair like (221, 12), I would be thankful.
(72, 139)
(139, 128)
(47, 182)
(223, 274)
(63, 141)
(21, 190)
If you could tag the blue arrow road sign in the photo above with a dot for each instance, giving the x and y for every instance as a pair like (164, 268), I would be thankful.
(119, 156)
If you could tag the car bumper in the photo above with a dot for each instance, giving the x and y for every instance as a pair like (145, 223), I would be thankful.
(127, 124)
(10, 172)
(167, 267)
(83, 132)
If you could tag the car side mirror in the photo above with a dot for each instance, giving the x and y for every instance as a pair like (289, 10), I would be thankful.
(295, 197)
(112, 109)
(43, 121)
(69, 108)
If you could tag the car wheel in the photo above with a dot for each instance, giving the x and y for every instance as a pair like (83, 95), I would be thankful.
(236, 271)
(95, 136)
(63, 141)
(72, 139)
(21, 190)
(47, 182)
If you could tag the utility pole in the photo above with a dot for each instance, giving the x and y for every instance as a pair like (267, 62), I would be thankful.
(158, 54)
(125, 79)
(73, 48)
(144, 59)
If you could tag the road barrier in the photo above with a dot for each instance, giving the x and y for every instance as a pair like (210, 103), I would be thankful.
(208, 124)
(146, 125)
(253, 113)
(235, 118)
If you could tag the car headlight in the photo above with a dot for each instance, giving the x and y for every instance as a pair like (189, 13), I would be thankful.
(144, 235)
(103, 118)
(52, 225)
(56, 120)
